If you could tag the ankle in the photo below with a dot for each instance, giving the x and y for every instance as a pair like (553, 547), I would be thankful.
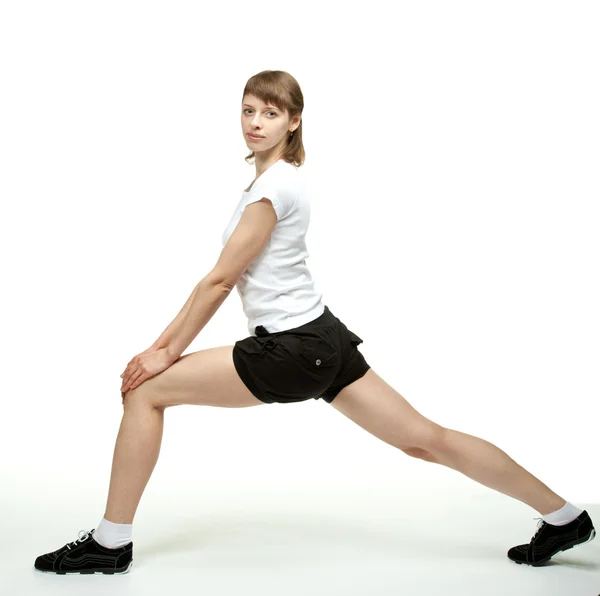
(113, 535)
(556, 504)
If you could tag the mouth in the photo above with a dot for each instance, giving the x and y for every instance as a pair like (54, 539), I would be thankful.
(254, 138)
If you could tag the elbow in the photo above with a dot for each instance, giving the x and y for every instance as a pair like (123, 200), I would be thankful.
(213, 279)
(227, 286)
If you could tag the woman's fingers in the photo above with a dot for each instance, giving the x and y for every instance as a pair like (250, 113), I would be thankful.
(125, 381)
(135, 376)
(137, 382)
(126, 375)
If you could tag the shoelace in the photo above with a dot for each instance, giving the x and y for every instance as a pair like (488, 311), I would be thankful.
(540, 526)
(80, 539)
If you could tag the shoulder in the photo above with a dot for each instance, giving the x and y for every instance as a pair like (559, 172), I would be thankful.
(286, 178)
(282, 179)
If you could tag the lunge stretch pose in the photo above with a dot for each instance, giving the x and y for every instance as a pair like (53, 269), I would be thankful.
(297, 350)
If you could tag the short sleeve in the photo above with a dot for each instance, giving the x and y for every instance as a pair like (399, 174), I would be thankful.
(282, 198)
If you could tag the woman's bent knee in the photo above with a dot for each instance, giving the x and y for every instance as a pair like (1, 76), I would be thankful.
(141, 396)
(204, 378)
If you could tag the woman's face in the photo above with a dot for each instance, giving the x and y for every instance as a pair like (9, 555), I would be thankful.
(271, 123)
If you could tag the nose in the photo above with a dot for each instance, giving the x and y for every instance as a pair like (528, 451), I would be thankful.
(255, 123)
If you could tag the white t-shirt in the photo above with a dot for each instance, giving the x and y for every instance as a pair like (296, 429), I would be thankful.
(277, 290)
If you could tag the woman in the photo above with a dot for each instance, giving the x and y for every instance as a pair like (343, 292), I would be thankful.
(297, 350)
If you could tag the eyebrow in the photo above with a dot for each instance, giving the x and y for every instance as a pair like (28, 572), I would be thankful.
(270, 107)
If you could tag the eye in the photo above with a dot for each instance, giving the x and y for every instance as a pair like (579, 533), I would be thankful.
(270, 112)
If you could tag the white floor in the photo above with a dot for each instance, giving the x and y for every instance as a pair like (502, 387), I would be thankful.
(285, 540)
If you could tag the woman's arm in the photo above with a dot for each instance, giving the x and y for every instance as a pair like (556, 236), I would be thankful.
(169, 332)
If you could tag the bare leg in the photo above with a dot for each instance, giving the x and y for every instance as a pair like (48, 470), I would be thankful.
(204, 378)
(487, 464)
(136, 453)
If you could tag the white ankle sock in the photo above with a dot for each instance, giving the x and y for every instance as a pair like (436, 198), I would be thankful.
(563, 516)
(111, 535)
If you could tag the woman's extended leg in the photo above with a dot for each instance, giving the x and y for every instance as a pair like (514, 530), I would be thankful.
(208, 378)
(487, 464)
(378, 408)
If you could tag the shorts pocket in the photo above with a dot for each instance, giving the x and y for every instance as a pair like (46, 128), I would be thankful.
(255, 346)
(318, 354)
(354, 339)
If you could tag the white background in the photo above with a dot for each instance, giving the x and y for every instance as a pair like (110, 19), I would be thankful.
(453, 152)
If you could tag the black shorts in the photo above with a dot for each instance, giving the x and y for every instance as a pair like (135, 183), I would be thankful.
(313, 361)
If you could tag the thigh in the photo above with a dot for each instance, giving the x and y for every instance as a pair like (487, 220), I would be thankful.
(377, 407)
(204, 378)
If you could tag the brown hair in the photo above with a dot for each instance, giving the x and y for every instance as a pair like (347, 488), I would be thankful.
(280, 89)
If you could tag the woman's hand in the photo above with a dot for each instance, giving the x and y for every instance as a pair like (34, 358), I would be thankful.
(144, 366)
(150, 350)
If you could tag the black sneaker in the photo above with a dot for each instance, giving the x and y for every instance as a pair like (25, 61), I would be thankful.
(85, 555)
(549, 540)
